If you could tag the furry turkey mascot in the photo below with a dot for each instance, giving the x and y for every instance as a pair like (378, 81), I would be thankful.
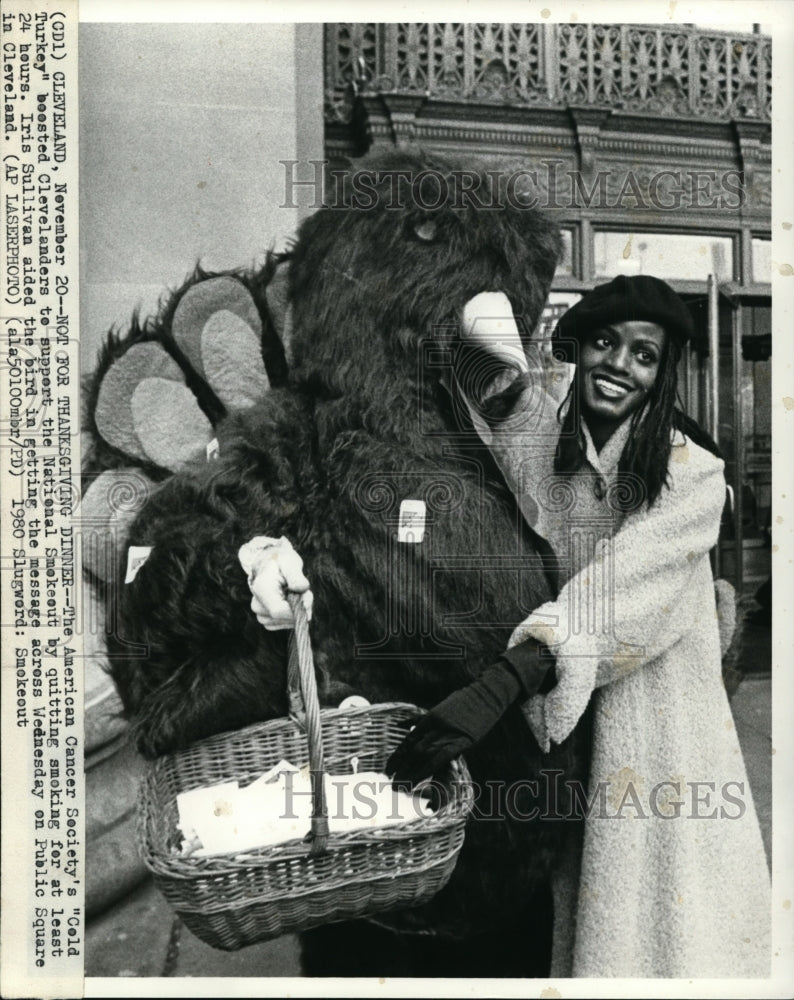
(365, 417)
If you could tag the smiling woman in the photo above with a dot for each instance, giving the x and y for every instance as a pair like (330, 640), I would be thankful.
(618, 365)
(626, 338)
(629, 492)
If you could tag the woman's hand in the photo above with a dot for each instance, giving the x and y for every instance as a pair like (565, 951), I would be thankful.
(274, 568)
(462, 719)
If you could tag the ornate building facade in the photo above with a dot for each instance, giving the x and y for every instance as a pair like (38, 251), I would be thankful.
(652, 146)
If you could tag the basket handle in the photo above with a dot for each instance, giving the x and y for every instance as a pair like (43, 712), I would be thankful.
(305, 704)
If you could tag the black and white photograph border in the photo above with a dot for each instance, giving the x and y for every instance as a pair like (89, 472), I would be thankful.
(208, 133)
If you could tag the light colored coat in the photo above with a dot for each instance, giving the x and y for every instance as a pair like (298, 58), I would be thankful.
(672, 879)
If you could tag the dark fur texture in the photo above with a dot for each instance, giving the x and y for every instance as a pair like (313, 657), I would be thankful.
(363, 423)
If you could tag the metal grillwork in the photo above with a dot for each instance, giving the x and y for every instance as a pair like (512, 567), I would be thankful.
(655, 69)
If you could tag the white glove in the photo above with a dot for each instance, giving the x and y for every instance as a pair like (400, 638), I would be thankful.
(274, 568)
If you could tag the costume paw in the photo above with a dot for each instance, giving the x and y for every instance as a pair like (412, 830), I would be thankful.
(218, 328)
(145, 409)
(162, 387)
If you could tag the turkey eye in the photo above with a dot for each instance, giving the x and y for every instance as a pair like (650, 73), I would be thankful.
(426, 230)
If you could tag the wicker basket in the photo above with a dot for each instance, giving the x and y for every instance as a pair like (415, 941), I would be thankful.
(232, 900)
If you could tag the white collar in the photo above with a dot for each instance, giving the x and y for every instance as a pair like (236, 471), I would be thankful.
(606, 461)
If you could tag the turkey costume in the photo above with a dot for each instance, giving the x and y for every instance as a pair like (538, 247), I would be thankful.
(671, 878)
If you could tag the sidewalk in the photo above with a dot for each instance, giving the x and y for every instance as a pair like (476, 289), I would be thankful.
(139, 936)
(752, 714)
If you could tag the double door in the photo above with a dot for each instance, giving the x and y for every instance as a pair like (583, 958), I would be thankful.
(725, 384)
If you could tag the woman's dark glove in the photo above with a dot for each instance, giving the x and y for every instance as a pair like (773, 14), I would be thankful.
(463, 718)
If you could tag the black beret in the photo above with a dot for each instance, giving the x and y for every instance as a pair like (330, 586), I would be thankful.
(639, 297)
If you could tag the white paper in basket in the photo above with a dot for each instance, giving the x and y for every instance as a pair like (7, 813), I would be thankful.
(277, 807)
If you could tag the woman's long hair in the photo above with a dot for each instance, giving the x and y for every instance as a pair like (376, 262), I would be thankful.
(646, 456)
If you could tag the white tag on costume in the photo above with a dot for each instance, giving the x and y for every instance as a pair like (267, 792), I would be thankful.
(411, 527)
(213, 450)
(136, 557)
